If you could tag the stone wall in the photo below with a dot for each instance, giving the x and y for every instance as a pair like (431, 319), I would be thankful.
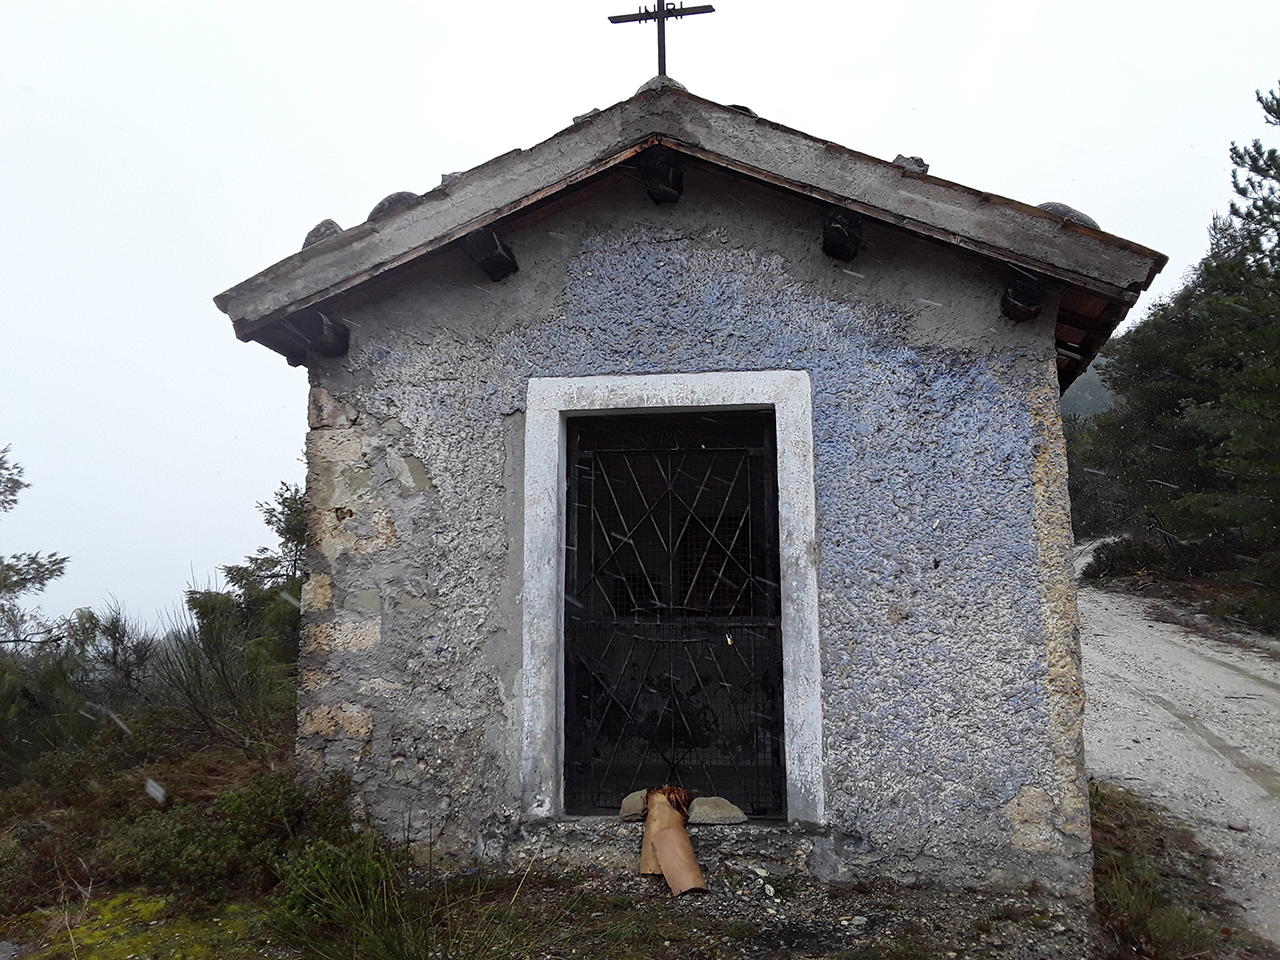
(951, 691)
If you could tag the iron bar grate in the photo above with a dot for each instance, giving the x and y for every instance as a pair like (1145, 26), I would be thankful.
(673, 646)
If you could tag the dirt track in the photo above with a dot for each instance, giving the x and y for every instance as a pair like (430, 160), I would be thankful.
(1193, 723)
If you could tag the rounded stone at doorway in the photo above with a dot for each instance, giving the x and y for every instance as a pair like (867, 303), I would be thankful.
(703, 810)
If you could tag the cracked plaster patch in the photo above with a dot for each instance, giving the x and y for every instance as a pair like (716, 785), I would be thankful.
(1030, 815)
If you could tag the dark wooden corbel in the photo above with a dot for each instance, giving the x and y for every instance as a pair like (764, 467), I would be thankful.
(331, 339)
(1023, 297)
(660, 168)
(841, 234)
(310, 334)
(490, 254)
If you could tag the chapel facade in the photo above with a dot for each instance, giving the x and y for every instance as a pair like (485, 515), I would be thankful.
(686, 448)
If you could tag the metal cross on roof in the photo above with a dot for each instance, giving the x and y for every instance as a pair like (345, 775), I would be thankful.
(662, 12)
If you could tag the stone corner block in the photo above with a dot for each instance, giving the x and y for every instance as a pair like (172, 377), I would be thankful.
(324, 411)
(1030, 815)
(317, 593)
(343, 719)
(324, 639)
(335, 445)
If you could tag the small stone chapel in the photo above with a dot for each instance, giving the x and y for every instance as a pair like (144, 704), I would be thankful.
(686, 448)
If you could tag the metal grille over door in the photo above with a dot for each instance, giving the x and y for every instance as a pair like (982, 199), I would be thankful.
(673, 644)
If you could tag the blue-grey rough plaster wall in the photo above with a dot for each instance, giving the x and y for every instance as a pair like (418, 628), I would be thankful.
(934, 661)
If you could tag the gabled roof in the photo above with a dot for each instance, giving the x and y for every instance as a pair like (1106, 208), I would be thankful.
(1101, 274)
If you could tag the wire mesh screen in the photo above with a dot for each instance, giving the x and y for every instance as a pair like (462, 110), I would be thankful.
(673, 645)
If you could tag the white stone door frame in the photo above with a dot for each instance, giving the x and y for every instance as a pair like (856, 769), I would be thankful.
(550, 402)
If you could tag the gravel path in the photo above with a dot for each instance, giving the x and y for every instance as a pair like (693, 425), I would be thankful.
(1193, 723)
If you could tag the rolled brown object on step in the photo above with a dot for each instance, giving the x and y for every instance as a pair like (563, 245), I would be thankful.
(679, 862)
(667, 848)
(658, 813)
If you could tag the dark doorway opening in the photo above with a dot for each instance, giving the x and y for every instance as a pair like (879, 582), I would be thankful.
(673, 640)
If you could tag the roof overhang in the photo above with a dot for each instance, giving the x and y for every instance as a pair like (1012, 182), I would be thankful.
(1101, 275)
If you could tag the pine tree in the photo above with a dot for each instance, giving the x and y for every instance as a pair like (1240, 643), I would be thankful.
(21, 573)
(265, 589)
(1187, 462)
(1256, 180)
(34, 662)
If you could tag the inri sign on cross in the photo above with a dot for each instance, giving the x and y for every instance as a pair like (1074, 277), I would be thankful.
(662, 12)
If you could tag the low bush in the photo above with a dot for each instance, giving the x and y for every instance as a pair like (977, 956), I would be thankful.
(1224, 583)
(1173, 560)
(1253, 596)
(236, 843)
(1123, 557)
(226, 828)
(226, 681)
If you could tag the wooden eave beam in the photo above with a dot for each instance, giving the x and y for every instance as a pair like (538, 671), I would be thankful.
(251, 329)
(1109, 291)
(1083, 335)
(1085, 294)
(1081, 304)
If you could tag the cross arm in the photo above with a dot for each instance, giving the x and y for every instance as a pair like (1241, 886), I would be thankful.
(681, 11)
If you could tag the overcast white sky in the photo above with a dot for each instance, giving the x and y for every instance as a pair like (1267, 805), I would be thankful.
(153, 154)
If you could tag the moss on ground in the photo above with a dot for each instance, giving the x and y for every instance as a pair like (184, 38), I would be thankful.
(141, 926)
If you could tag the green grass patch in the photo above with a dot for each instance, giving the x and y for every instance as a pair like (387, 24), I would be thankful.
(358, 900)
(1152, 880)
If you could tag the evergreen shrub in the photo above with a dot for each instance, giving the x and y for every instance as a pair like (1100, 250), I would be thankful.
(238, 842)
